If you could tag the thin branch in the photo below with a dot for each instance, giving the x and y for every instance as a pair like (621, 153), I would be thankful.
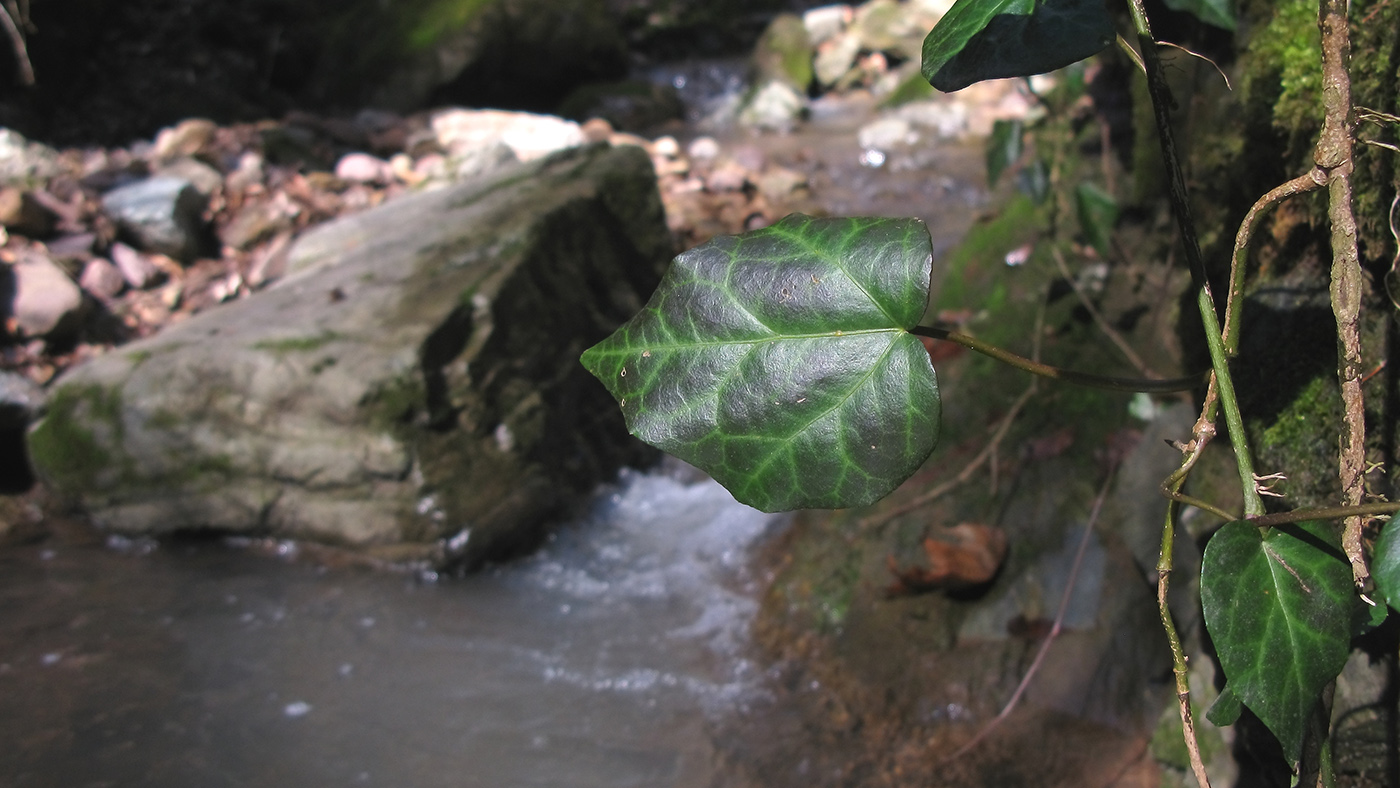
(1166, 386)
(1303, 183)
(1203, 433)
(1054, 629)
(988, 451)
(1104, 326)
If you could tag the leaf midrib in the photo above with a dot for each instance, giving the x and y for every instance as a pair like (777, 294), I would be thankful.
(639, 347)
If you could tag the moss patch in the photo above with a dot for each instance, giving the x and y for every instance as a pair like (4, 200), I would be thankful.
(297, 344)
(67, 451)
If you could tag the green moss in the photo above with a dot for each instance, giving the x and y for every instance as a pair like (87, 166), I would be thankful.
(395, 404)
(1303, 440)
(65, 450)
(296, 344)
(1287, 60)
(163, 419)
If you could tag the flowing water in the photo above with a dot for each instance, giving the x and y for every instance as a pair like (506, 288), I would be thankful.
(607, 659)
(601, 661)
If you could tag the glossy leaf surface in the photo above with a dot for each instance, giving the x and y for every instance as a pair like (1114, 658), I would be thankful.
(1385, 563)
(994, 39)
(779, 361)
(1213, 12)
(1279, 608)
(1004, 147)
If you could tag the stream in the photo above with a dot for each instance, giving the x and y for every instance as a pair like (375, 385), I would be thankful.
(607, 659)
(597, 662)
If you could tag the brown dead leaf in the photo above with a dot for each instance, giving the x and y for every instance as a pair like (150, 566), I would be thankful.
(968, 554)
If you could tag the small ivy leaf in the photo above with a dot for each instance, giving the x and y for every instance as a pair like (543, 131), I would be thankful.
(1098, 213)
(1385, 562)
(1034, 181)
(779, 361)
(994, 39)
(1004, 147)
(1279, 610)
(1213, 12)
(1226, 709)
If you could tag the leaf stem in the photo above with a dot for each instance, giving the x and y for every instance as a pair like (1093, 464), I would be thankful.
(1146, 385)
(1328, 513)
(1162, 104)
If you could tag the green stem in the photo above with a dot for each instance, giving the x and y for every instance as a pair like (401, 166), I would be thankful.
(1205, 302)
(1146, 385)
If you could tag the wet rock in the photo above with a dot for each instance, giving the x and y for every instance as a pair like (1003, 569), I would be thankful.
(45, 302)
(102, 279)
(161, 214)
(21, 213)
(410, 387)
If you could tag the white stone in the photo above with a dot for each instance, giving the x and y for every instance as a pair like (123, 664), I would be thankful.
(703, 149)
(44, 295)
(826, 22)
(529, 136)
(887, 133)
(363, 168)
(101, 278)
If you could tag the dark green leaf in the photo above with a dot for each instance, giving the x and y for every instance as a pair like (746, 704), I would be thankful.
(1279, 610)
(993, 39)
(1034, 181)
(779, 361)
(1385, 563)
(1225, 710)
(1213, 12)
(1098, 213)
(1004, 147)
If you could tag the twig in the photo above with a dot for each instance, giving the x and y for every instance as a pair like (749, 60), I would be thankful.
(989, 451)
(1149, 386)
(11, 24)
(1104, 326)
(1054, 629)
(1303, 183)
(925, 498)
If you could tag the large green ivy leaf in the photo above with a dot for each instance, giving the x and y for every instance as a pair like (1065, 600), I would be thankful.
(993, 39)
(1385, 562)
(779, 361)
(1213, 12)
(1279, 608)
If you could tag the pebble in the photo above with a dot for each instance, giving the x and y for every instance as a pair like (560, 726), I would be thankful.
(102, 279)
(45, 300)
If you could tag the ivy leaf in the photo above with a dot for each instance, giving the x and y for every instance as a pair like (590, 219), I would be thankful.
(1385, 562)
(994, 39)
(779, 361)
(1098, 213)
(1226, 709)
(1279, 610)
(1212, 12)
(1004, 147)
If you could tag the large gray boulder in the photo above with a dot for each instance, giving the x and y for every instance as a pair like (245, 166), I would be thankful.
(411, 388)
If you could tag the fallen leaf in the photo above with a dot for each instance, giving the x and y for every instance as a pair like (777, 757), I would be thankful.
(965, 555)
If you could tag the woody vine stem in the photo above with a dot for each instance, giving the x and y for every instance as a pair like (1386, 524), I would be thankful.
(1333, 160)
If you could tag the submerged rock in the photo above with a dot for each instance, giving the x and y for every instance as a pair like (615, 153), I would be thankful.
(411, 388)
